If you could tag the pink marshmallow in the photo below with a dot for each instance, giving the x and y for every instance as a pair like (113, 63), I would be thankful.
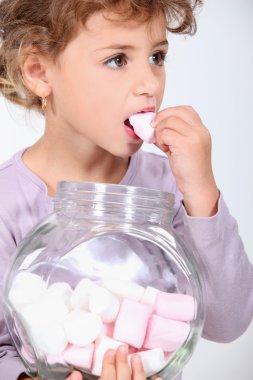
(131, 323)
(141, 123)
(180, 307)
(167, 334)
(102, 345)
(55, 359)
(79, 357)
(107, 330)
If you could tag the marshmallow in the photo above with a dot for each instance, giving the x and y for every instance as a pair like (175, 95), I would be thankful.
(26, 288)
(79, 357)
(61, 290)
(48, 309)
(180, 307)
(141, 123)
(107, 330)
(131, 323)
(167, 334)
(152, 360)
(102, 345)
(124, 289)
(149, 296)
(104, 304)
(57, 359)
(81, 294)
(82, 328)
(49, 338)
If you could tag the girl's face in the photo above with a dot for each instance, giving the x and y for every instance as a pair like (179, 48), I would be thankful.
(110, 71)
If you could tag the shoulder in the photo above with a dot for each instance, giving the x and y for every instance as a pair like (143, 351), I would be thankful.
(8, 176)
(23, 200)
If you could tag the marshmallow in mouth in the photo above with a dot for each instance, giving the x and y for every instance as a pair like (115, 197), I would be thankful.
(141, 123)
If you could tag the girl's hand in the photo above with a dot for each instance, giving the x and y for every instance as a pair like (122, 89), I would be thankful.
(115, 366)
(181, 134)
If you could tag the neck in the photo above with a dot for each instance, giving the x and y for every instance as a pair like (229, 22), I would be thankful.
(55, 160)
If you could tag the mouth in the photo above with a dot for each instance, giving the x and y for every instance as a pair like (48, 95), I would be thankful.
(145, 110)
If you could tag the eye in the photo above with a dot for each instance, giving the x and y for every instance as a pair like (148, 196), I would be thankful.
(158, 58)
(117, 62)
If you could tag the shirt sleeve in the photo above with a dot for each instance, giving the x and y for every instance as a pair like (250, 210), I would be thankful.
(11, 365)
(225, 269)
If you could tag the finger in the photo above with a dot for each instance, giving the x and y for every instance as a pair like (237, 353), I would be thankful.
(176, 124)
(137, 368)
(75, 376)
(108, 368)
(122, 367)
(186, 113)
(170, 141)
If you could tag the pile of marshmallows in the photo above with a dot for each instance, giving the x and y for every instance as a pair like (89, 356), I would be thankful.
(77, 326)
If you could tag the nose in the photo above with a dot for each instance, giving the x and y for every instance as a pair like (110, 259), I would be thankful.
(148, 81)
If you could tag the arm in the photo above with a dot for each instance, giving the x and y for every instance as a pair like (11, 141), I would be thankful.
(204, 222)
(10, 364)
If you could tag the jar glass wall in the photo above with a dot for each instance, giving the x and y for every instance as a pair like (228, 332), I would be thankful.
(106, 268)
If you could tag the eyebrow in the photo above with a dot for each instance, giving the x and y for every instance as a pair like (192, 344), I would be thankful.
(130, 47)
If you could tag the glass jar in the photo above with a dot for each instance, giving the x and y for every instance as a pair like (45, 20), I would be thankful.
(106, 268)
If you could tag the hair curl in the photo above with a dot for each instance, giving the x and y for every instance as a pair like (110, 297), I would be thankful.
(46, 26)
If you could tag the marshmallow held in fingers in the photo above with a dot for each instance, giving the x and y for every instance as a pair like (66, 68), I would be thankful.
(141, 123)
(152, 360)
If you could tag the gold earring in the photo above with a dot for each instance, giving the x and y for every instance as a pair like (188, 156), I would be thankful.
(44, 103)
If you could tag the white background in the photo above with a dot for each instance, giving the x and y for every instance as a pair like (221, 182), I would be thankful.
(213, 72)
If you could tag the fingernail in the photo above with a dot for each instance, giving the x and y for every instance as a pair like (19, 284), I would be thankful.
(110, 354)
(136, 360)
(123, 350)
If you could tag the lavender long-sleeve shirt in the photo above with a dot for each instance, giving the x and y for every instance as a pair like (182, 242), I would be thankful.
(226, 269)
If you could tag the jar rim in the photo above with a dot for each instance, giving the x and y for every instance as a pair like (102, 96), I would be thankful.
(78, 191)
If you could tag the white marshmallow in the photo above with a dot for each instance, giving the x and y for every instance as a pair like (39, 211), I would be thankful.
(81, 294)
(26, 288)
(141, 123)
(124, 289)
(104, 304)
(49, 338)
(47, 310)
(82, 328)
(102, 345)
(62, 291)
(149, 296)
(152, 360)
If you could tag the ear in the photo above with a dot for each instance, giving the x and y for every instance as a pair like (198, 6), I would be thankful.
(34, 71)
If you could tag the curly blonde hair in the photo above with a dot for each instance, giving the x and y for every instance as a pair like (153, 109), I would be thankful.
(46, 26)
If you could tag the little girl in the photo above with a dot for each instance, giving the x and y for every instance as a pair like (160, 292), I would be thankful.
(88, 66)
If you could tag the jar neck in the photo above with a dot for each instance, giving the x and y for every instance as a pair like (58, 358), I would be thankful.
(87, 200)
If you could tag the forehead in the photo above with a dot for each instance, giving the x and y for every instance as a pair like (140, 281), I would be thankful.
(107, 26)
